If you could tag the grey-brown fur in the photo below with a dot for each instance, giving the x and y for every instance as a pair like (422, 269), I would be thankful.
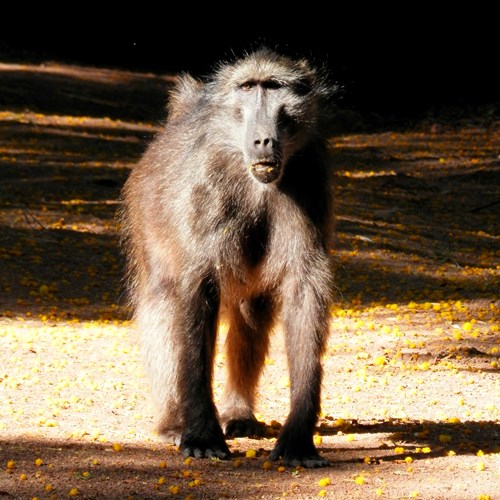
(230, 208)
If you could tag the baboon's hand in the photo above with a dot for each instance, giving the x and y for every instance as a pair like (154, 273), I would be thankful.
(246, 427)
(300, 453)
(204, 448)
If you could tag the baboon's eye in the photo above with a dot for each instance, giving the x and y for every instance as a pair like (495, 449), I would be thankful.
(248, 85)
(271, 84)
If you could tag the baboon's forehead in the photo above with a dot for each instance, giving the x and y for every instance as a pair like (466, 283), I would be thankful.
(263, 67)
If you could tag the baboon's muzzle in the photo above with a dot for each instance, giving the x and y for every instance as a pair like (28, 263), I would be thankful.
(265, 155)
(266, 171)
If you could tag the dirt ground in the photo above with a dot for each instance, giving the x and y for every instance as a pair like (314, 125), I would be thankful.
(411, 399)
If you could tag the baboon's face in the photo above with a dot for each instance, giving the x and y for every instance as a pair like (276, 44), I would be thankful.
(275, 119)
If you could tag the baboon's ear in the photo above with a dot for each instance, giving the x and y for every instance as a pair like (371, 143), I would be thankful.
(183, 95)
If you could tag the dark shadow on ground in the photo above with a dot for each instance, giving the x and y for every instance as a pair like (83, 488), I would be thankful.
(83, 91)
(135, 470)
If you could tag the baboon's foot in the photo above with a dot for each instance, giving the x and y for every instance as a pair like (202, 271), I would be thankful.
(244, 427)
(204, 441)
(297, 452)
(204, 448)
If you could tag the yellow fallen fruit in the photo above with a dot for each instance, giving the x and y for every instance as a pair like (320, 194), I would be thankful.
(251, 453)
(444, 438)
(324, 482)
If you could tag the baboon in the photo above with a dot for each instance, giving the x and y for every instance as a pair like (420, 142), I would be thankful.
(230, 210)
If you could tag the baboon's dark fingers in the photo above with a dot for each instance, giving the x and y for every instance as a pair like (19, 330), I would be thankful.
(245, 427)
(204, 449)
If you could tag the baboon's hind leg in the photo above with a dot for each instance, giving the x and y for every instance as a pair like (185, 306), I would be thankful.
(246, 348)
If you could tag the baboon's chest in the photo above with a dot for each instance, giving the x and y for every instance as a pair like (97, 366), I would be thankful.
(242, 259)
(254, 243)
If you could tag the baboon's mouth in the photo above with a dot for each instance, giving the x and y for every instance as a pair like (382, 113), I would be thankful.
(266, 171)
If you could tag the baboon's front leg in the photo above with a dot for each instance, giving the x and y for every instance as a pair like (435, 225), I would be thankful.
(202, 435)
(305, 323)
(246, 347)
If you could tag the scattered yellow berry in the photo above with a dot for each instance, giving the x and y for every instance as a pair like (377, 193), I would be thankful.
(399, 450)
(359, 479)
(322, 493)
(161, 480)
(117, 447)
(187, 461)
(367, 460)
(426, 449)
(467, 326)
(11, 464)
(174, 489)
(444, 438)
(163, 464)
(48, 488)
(281, 468)
(379, 360)
(480, 453)
(38, 462)
(267, 465)
(480, 466)
(408, 460)
(73, 492)
(350, 437)
(483, 497)
(23, 477)
(379, 492)
(317, 439)
(324, 482)
(414, 494)
(251, 453)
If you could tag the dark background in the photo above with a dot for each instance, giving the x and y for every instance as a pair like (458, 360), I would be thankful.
(399, 63)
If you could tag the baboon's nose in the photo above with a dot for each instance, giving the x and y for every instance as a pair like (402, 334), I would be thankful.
(264, 145)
